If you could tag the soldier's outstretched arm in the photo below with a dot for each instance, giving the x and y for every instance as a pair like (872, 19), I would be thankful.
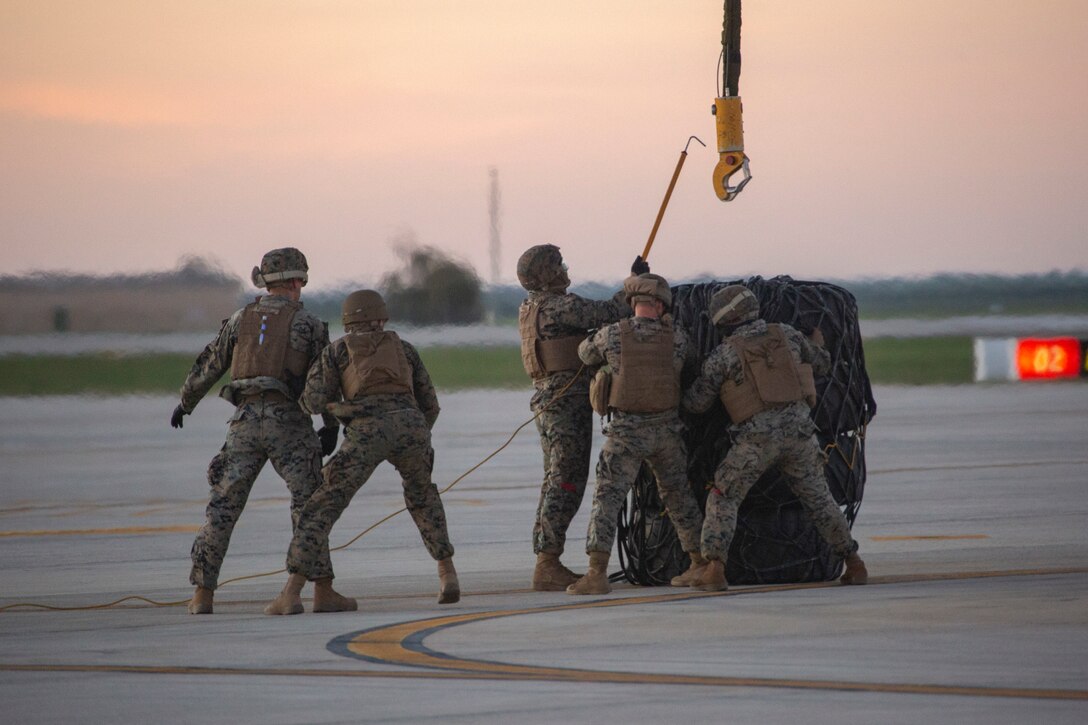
(812, 350)
(704, 389)
(210, 364)
(574, 311)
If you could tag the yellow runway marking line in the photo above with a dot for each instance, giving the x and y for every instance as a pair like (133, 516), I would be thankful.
(402, 644)
(975, 466)
(931, 537)
(123, 530)
(582, 676)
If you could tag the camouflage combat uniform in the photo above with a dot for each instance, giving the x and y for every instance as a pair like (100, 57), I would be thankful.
(655, 438)
(382, 426)
(565, 423)
(267, 425)
(781, 436)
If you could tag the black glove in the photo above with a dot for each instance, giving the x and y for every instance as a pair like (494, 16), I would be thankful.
(639, 266)
(176, 418)
(327, 434)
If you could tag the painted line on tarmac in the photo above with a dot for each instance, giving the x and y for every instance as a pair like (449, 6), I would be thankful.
(403, 645)
(974, 466)
(125, 530)
(931, 537)
(582, 676)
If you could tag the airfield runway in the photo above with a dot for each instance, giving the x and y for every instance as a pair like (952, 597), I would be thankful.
(974, 526)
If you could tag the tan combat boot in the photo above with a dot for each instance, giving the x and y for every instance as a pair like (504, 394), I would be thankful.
(855, 573)
(712, 577)
(201, 603)
(449, 589)
(326, 599)
(688, 577)
(290, 599)
(550, 575)
(595, 580)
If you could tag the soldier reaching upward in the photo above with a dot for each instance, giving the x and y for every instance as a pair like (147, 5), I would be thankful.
(552, 323)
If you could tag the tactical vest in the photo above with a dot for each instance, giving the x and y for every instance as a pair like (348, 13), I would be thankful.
(772, 377)
(544, 357)
(262, 349)
(376, 364)
(647, 381)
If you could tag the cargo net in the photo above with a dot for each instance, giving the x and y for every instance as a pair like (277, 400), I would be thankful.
(775, 542)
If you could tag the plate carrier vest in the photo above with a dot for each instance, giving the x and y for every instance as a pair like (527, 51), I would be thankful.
(544, 357)
(647, 381)
(262, 349)
(772, 378)
(376, 364)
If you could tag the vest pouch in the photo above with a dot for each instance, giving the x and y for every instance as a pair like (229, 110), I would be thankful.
(742, 401)
(774, 372)
(600, 388)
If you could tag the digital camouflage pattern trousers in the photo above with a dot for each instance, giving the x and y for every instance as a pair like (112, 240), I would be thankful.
(799, 460)
(400, 437)
(566, 437)
(661, 446)
(258, 432)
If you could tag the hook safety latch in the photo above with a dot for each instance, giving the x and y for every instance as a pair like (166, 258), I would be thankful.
(731, 158)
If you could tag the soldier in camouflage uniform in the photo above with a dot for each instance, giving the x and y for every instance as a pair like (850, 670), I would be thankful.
(389, 407)
(552, 323)
(763, 374)
(646, 356)
(267, 346)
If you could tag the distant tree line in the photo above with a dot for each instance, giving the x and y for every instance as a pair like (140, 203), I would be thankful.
(971, 294)
(433, 289)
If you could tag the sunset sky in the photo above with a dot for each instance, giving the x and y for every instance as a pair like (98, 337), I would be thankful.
(887, 138)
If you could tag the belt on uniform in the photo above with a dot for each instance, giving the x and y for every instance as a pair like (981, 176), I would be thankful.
(265, 396)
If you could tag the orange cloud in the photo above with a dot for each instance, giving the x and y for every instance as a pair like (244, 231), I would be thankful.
(97, 105)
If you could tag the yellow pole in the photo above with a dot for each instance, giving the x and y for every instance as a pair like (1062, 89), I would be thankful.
(665, 201)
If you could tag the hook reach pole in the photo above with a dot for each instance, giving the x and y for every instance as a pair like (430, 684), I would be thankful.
(668, 194)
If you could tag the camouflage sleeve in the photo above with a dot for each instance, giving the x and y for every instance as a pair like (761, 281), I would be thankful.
(704, 390)
(210, 364)
(426, 397)
(592, 349)
(322, 383)
(321, 343)
(686, 361)
(810, 352)
(575, 311)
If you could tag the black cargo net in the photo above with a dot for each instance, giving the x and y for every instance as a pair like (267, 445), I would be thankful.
(775, 542)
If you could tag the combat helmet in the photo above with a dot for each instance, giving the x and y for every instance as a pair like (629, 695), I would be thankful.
(733, 305)
(541, 267)
(280, 265)
(646, 288)
(364, 305)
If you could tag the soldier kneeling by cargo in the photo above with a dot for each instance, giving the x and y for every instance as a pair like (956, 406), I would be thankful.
(389, 406)
(763, 374)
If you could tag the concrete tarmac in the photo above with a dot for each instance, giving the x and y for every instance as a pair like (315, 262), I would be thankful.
(973, 526)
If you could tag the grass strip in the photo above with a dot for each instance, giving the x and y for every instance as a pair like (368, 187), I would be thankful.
(920, 360)
(913, 361)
